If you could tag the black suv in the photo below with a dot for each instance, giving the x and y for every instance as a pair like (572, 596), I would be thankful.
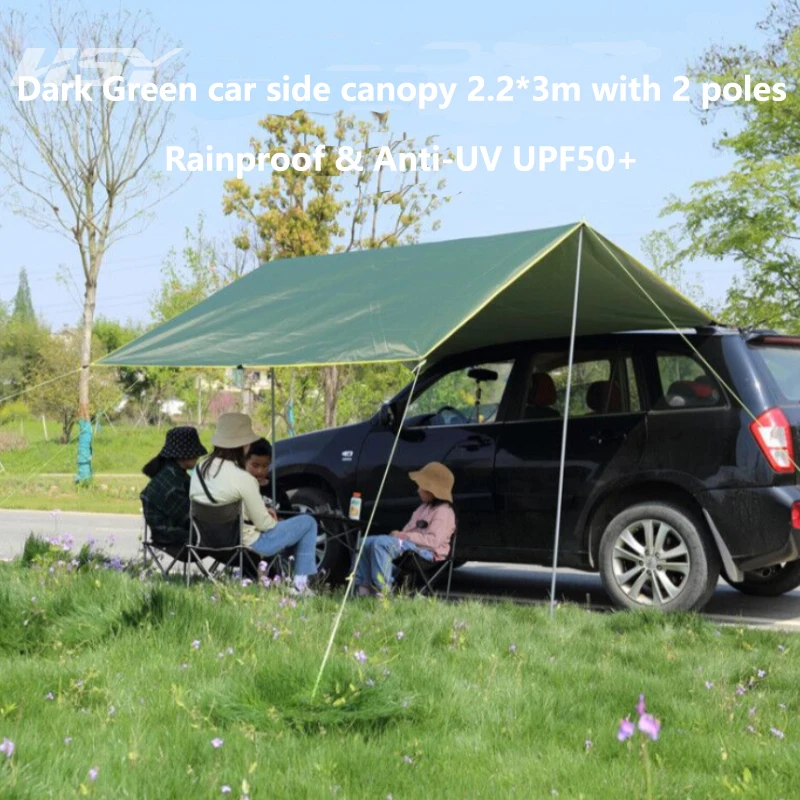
(669, 480)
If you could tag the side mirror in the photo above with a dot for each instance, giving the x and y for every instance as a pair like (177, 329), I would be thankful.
(386, 416)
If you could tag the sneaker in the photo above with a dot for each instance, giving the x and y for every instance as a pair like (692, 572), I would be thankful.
(305, 592)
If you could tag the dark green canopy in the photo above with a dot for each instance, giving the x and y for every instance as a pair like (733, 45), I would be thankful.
(415, 302)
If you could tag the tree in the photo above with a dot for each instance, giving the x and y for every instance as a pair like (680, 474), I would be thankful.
(59, 398)
(23, 303)
(85, 167)
(204, 267)
(662, 250)
(752, 213)
(21, 342)
(302, 213)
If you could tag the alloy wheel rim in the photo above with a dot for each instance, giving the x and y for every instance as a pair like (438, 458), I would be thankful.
(651, 562)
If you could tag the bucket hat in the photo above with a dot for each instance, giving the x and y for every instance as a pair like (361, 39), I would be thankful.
(436, 479)
(183, 444)
(234, 430)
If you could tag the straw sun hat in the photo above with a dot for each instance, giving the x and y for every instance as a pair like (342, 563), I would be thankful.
(234, 430)
(436, 479)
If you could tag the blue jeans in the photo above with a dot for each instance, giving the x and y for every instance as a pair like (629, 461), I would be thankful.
(296, 533)
(375, 566)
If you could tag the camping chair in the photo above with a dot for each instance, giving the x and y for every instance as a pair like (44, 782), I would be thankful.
(215, 531)
(154, 550)
(412, 569)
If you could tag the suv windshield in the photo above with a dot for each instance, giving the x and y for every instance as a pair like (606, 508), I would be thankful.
(783, 363)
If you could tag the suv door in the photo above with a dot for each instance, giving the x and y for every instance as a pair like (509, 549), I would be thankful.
(605, 439)
(450, 422)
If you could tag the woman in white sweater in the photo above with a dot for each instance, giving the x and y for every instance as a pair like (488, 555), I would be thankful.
(222, 478)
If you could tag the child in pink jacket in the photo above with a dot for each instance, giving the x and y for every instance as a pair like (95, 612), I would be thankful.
(428, 533)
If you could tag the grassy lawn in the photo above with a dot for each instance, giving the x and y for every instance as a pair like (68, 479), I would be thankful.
(46, 493)
(104, 670)
(28, 481)
(120, 450)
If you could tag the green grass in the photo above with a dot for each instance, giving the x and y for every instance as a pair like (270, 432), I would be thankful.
(45, 493)
(120, 450)
(28, 481)
(453, 712)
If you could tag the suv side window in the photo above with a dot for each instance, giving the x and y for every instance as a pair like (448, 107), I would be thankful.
(602, 383)
(685, 384)
(454, 398)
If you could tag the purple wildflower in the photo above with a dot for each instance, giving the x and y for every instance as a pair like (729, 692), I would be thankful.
(217, 743)
(626, 730)
(262, 566)
(750, 729)
(229, 651)
(709, 684)
(49, 696)
(7, 747)
(588, 744)
(761, 673)
(408, 759)
(640, 706)
(400, 636)
(740, 690)
(360, 656)
(67, 739)
(370, 682)
(387, 672)
(93, 773)
(196, 644)
(226, 789)
(649, 726)
(246, 582)
(512, 648)
(778, 734)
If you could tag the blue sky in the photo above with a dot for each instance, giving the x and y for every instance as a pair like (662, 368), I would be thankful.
(579, 41)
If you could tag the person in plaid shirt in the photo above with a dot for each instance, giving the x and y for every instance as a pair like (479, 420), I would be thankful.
(165, 499)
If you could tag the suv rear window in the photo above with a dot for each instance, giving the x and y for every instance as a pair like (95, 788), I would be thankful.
(783, 363)
(685, 384)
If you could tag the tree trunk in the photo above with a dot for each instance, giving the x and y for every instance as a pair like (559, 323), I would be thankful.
(330, 390)
(87, 329)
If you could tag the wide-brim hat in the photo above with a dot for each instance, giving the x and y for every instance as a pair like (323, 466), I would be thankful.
(234, 430)
(183, 444)
(436, 479)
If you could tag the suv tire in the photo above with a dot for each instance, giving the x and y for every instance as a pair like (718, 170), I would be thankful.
(332, 556)
(770, 581)
(657, 555)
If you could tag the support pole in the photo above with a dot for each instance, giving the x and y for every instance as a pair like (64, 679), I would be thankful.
(351, 577)
(562, 464)
(274, 479)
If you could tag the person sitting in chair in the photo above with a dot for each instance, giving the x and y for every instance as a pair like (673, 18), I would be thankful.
(222, 478)
(258, 462)
(165, 499)
(428, 533)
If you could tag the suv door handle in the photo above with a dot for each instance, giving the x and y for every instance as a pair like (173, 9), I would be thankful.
(475, 442)
(605, 437)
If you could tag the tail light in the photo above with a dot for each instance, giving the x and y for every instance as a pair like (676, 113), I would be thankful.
(774, 436)
(796, 516)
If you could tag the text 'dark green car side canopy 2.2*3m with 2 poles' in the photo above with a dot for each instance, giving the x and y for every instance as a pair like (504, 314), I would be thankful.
(416, 302)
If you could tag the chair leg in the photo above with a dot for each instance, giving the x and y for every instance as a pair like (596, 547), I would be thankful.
(449, 579)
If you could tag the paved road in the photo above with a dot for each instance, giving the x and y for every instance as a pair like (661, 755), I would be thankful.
(521, 583)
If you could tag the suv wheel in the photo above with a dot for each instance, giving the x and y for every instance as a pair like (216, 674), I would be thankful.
(770, 581)
(332, 555)
(655, 555)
